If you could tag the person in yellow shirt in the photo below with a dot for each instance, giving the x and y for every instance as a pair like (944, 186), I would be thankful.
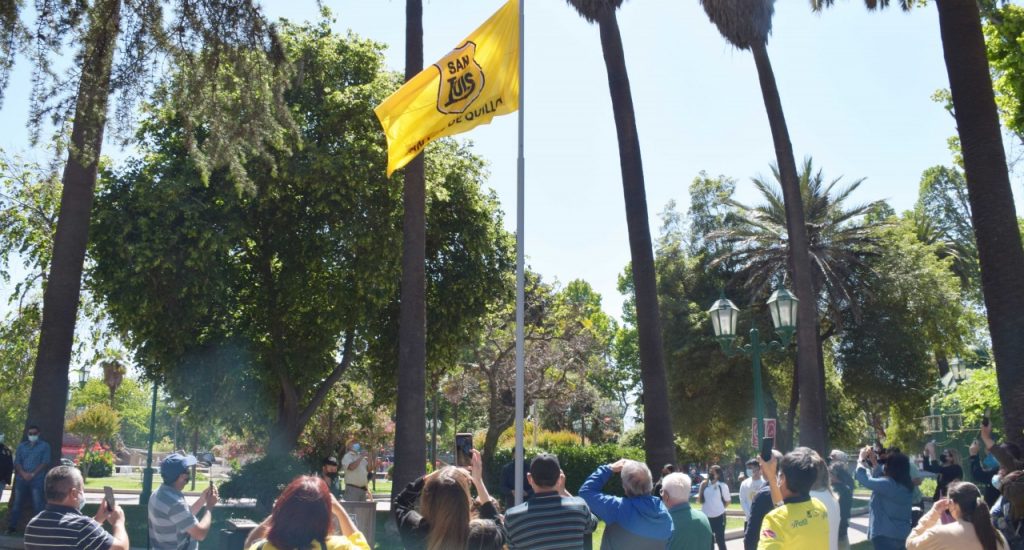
(799, 522)
(301, 519)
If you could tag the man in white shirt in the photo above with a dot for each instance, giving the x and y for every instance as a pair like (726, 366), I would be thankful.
(356, 466)
(750, 487)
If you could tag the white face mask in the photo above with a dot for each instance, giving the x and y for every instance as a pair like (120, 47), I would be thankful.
(81, 500)
(997, 482)
(33, 438)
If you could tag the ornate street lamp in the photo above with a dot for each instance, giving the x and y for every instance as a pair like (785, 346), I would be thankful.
(83, 377)
(724, 314)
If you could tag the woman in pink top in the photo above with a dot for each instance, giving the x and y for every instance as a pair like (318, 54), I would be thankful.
(958, 522)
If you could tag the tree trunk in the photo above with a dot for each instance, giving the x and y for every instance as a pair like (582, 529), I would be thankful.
(813, 432)
(410, 426)
(48, 400)
(496, 425)
(1000, 253)
(658, 434)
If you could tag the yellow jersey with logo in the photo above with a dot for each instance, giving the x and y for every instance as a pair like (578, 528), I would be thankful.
(799, 524)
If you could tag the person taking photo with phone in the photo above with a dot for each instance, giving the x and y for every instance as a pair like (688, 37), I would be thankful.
(172, 522)
(889, 509)
(356, 466)
(62, 524)
(971, 528)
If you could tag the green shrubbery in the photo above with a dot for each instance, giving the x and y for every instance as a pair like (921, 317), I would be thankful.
(97, 463)
(263, 479)
(577, 461)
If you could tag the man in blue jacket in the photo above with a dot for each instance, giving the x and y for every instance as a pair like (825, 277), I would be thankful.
(637, 522)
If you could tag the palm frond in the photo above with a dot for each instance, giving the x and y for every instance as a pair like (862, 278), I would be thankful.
(595, 10)
(742, 22)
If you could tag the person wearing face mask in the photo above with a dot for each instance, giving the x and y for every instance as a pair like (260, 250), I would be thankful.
(172, 522)
(750, 487)
(714, 496)
(30, 462)
(329, 473)
(356, 467)
(62, 524)
(971, 528)
(948, 468)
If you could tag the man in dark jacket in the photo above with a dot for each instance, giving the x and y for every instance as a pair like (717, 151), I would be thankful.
(637, 522)
(6, 465)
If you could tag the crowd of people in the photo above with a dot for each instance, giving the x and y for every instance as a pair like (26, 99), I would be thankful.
(794, 501)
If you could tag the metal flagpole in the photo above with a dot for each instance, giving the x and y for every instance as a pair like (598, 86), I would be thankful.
(520, 261)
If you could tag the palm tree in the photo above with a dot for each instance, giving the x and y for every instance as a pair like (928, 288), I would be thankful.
(840, 240)
(113, 375)
(410, 424)
(658, 439)
(746, 24)
(1000, 251)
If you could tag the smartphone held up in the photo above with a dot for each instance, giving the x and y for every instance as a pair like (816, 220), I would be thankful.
(463, 449)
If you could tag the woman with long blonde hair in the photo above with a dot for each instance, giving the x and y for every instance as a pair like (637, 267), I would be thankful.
(446, 519)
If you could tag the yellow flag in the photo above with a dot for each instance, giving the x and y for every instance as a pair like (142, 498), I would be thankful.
(474, 83)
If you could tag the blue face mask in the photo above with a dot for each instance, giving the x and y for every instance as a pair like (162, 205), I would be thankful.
(356, 447)
(33, 438)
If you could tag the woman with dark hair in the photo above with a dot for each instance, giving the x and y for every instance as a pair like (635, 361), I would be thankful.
(889, 507)
(446, 519)
(968, 525)
(301, 519)
(714, 497)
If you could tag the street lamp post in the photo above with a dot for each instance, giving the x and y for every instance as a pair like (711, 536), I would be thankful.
(83, 377)
(147, 476)
(724, 315)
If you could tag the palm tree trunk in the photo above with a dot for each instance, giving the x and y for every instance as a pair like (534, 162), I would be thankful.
(1000, 253)
(410, 426)
(658, 438)
(813, 432)
(48, 400)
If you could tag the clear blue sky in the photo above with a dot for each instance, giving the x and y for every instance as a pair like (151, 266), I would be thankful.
(855, 86)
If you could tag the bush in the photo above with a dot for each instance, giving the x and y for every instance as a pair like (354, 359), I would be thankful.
(263, 479)
(97, 463)
(577, 461)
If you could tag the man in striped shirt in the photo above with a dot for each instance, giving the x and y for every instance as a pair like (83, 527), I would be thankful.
(552, 518)
(62, 525)
(172, 522)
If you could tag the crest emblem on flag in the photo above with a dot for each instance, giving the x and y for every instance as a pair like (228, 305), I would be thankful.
(462, 80)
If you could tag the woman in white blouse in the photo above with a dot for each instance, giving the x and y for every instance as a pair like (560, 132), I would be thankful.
(714, 497)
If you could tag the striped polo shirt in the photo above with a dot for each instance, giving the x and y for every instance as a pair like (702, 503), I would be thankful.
(169, 520)
(64, 527)
(549, 520)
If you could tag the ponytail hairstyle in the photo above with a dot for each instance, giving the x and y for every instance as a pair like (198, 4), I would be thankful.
(974, 511)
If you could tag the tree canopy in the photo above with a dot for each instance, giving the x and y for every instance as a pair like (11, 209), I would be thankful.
(255, 305)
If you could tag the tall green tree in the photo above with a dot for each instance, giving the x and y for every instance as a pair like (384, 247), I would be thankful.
(230, 82)
(658, 425)
(993, 215)
(256, 305)
(410, 453)
(746, 25)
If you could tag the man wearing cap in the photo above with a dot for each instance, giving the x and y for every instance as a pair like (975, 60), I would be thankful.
(62, 524)
(551, 518)
(356, 468)
(329, 473)
(172, 522)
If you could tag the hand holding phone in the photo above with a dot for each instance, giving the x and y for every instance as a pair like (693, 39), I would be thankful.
(985, 419)
(766, 448)
(108, 496)
(463, 449)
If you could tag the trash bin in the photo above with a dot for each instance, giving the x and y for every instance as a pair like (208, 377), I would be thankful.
(233, 538)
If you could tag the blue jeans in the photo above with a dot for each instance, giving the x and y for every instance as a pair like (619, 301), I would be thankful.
(35, 487)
